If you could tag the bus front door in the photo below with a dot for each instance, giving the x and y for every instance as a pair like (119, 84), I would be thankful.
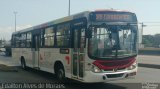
(35, 51)
(78, 53)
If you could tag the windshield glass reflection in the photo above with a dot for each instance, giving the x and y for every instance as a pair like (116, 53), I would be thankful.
(113, 41)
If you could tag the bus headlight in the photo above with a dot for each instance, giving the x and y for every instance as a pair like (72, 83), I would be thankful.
(95, 69)
(133, 66)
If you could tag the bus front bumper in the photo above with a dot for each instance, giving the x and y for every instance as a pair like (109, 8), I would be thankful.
(104, 77)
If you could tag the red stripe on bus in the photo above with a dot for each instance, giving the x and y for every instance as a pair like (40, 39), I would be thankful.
(106, 64)
(67, 59)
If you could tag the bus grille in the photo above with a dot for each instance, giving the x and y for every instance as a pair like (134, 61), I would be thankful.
(114, 75)
(112, 70)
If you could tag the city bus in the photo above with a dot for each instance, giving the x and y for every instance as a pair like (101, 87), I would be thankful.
(91, 46)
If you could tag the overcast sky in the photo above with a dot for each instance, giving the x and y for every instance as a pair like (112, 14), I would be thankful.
(34, 12)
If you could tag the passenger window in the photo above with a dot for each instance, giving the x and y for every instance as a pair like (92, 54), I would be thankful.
(49, 36)
(29, 37)
(63, 35)
(23, 40)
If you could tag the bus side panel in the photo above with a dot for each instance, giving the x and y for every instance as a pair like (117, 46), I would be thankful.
(27, 54)
(48, 57)
(16, 55)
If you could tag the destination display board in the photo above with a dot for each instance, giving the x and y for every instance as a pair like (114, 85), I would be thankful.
(113, 17)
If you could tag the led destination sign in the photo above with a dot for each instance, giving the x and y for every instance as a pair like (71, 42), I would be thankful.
(112, 17)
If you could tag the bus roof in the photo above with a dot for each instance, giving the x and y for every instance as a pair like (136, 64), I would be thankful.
(64, 19)
(112, 10)
(67, 18)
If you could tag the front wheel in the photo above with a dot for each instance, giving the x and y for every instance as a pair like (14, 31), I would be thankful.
(60, 74)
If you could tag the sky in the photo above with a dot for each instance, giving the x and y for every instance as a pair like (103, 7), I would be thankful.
(35, 12)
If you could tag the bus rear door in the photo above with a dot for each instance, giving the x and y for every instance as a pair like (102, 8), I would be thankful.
(35, 50)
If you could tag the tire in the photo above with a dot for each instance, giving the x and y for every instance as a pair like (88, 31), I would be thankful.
(23, 64)
(60, 74)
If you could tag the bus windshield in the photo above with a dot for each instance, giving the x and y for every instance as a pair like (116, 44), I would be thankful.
(113, 41)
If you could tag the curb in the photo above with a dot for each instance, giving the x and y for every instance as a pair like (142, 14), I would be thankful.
(5, 68)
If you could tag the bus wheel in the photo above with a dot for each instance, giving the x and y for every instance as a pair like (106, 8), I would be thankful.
(23, 64)
(60, 74)
(59, 71)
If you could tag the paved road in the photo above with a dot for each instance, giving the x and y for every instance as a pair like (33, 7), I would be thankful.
(145, 75)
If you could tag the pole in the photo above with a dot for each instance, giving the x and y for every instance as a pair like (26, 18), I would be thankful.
(141, 34)
(69, 9)
(142, 28)
(15, 13)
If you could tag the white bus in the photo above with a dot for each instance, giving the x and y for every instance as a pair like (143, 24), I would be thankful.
(92, 46)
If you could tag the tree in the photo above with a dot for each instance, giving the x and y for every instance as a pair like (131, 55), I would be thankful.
(151, 40)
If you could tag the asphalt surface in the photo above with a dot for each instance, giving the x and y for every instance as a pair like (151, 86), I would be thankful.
(33, 79)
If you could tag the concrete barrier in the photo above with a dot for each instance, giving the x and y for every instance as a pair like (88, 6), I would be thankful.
(149, 51)
(149, 65)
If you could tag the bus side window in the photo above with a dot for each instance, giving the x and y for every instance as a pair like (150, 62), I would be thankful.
(13, 43)
(23, 40)
(63, 35)
(28, 40)
(49, 36)
(17, 40)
